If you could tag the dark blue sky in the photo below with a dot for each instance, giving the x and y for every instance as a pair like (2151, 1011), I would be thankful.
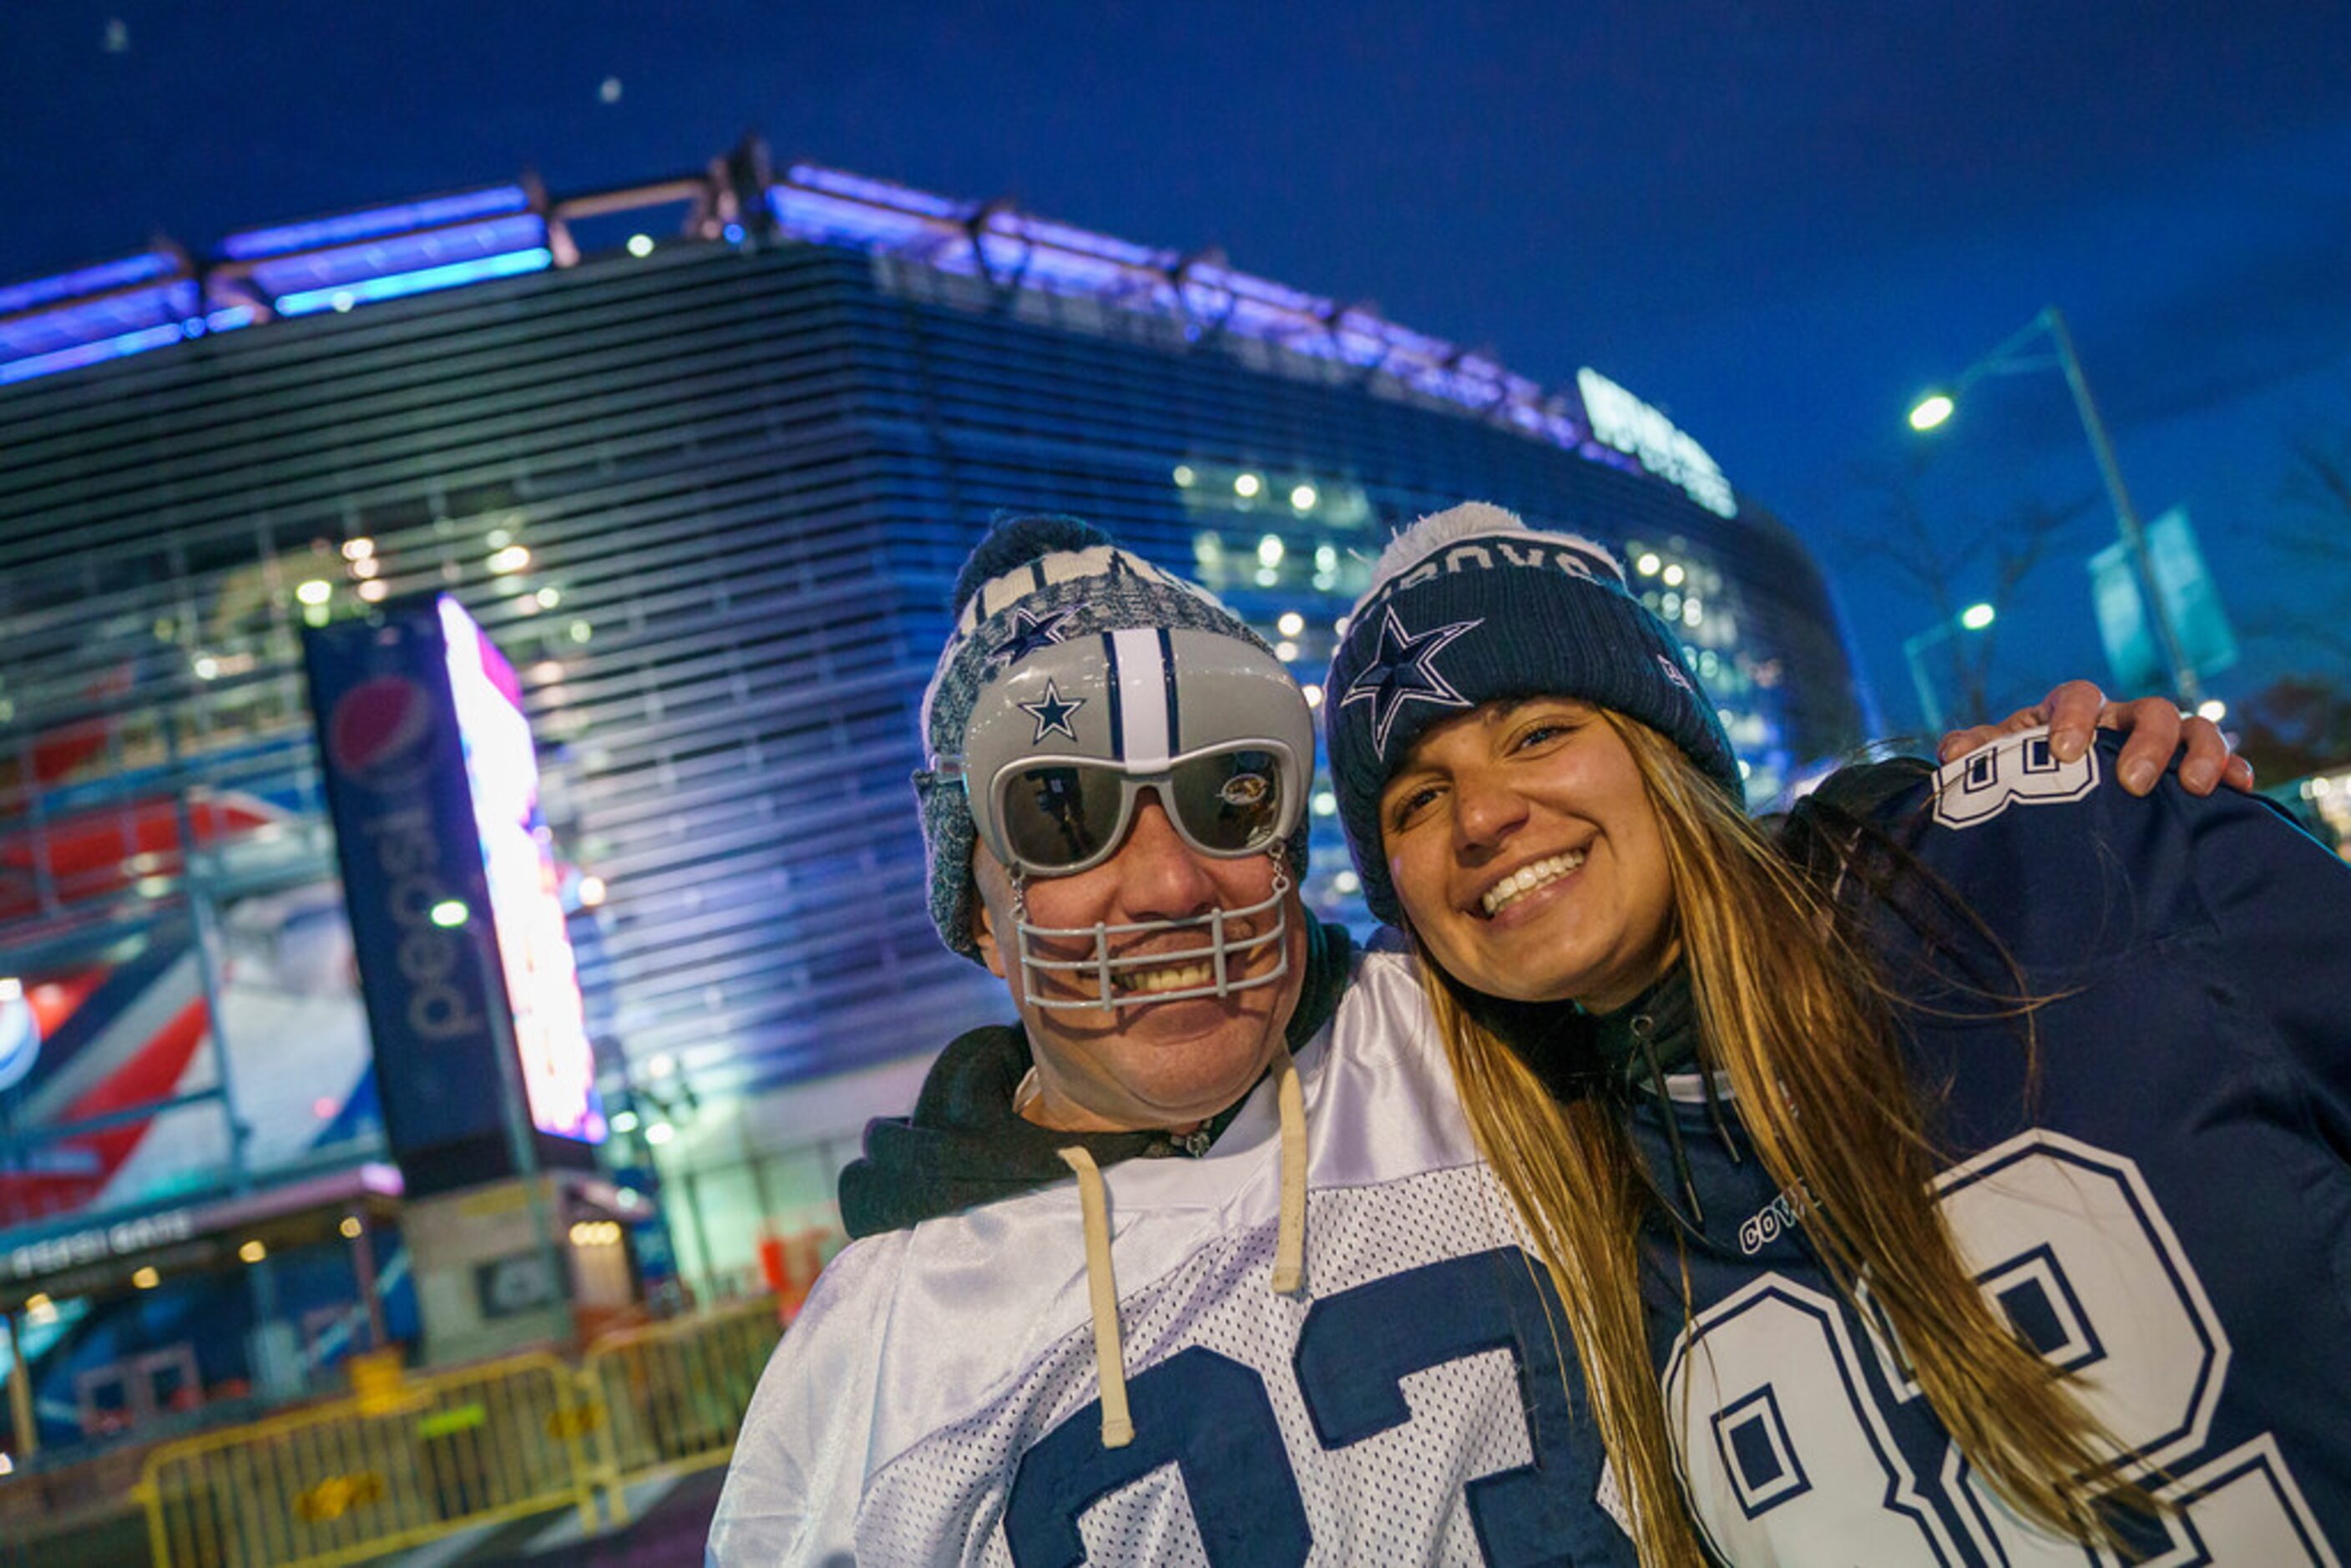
(1776, 221)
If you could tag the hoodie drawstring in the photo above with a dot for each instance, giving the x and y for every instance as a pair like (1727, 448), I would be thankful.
(1643, 1027)
(1289, 1238)
(1101, 1286)
(1101, 1290)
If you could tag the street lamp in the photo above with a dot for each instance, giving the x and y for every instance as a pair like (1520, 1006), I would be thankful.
(1974, 618)
(1930, 412)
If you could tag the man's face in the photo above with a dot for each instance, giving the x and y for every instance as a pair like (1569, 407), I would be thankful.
(1144, 1064)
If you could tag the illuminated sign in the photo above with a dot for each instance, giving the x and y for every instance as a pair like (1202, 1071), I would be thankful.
(449, 878)
(1632, 426)
(144, 1235)
(551, 1026)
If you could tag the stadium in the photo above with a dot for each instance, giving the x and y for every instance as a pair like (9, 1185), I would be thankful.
(701, 457)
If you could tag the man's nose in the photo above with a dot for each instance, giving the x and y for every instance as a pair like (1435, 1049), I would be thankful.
(1161, 876)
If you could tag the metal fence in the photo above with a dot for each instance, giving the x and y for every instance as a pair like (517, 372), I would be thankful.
(409, 1462)
(670, 1399)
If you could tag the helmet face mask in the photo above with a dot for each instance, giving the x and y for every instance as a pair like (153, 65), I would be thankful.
(1059, 751)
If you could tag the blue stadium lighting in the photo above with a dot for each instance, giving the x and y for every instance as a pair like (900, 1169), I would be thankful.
(97, 279)
(367, 290)
(831, 220)
(875, 193)
(346, 265)
(447, 242)
(407, 216)
(114, 347)
(91, 321)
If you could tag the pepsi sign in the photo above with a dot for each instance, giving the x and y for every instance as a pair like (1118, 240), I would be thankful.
(434, 793)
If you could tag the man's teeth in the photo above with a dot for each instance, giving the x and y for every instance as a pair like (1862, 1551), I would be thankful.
(1527, 878)
(1169, 977)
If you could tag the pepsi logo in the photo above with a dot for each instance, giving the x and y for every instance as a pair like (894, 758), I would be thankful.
(380, 734)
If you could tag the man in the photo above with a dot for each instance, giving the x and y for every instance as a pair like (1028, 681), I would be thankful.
(1282, 1314)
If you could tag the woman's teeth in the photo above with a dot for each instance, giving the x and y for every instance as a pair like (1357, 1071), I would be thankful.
(1170, 978)
(1527, 878)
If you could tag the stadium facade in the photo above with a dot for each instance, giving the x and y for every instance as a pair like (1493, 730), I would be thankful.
(702, 457)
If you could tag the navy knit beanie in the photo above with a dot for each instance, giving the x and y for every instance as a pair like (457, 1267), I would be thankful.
(1470, 606)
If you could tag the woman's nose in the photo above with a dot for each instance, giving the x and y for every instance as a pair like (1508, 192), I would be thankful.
(1484, 809)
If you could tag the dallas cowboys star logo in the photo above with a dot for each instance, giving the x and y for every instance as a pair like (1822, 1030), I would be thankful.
(1052, 713)
(1401, 672)
(1029, 633)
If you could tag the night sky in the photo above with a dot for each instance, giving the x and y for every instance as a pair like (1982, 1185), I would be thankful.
(1776, 221)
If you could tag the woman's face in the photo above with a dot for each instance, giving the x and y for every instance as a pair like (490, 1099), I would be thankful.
(1526, 853)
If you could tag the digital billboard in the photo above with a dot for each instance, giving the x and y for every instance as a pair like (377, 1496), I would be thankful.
(449, 874)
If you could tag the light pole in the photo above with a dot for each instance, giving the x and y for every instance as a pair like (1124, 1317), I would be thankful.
(1931, 411)
(1974, 618)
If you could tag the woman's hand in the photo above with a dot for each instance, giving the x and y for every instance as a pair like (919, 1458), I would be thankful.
(2156, 730)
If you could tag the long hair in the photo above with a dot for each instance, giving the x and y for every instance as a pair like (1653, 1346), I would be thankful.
(1792, 1011)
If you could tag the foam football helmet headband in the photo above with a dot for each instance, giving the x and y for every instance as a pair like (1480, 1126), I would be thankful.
(1059, 751)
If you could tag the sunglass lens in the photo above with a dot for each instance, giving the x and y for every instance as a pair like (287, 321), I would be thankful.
(1229, 802)
(1061, 816)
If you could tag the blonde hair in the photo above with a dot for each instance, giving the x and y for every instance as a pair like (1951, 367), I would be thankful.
(1792, 1012)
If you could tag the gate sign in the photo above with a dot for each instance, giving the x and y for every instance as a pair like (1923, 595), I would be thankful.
(450, 880)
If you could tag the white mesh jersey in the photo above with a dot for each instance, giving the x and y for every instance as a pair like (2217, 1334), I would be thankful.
(936, 1402)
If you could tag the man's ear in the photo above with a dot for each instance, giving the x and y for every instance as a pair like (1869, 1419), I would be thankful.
(983, 924)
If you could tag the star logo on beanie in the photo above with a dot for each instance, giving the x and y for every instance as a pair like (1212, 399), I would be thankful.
(1052, 713)
(1403, 670)
(1030, 632)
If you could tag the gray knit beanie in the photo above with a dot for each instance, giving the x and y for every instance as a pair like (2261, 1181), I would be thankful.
(1472, 605)
(1034, 582)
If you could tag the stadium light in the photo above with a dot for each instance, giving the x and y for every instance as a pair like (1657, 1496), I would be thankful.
(1931, 411)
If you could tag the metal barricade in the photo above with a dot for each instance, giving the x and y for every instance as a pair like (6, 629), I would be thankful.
(670, 1399)
(396, 1466)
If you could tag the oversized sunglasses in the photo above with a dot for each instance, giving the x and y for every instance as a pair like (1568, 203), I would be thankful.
(1055, 816)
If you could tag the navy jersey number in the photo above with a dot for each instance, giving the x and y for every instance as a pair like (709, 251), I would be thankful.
(1357, 1347)
(1207, 1414)
(1210, 1416)
(1786, 1443)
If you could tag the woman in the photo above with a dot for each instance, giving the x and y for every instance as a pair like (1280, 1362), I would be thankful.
(1957, 1176)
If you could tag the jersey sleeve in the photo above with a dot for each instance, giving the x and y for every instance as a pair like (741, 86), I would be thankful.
(798, 1472)
(2068, 867)
(2281, 901)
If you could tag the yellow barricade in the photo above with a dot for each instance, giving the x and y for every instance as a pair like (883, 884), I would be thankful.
(406, 1463)
(670, 1399)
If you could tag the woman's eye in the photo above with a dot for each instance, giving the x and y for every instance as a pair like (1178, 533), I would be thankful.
(1407, 807)
(1536, 733)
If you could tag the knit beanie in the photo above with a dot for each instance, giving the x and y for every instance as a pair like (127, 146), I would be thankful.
(1470, 606)
(1035, 580)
